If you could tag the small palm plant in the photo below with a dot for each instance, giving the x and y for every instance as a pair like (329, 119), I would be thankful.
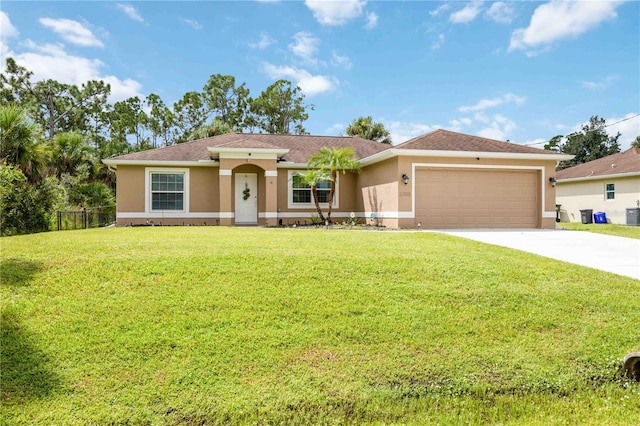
(331, 161)
(313, 178)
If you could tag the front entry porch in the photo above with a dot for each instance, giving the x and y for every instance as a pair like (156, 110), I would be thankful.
(248, 185)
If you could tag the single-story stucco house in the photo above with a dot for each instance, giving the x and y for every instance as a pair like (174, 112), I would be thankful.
(610, 184)
(442, 179)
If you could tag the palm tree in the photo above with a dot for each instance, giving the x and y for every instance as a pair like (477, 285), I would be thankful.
(313, 177)
(70, 150)
(331, 161)
(365, 128)
(216, 127)
(18, 142)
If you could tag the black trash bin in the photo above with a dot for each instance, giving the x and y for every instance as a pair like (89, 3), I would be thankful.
(587, 215)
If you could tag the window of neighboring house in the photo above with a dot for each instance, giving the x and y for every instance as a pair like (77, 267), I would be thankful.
(167, 191)
(610, 191)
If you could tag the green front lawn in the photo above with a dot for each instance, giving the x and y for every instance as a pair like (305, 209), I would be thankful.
(604, 228)
(213, 325)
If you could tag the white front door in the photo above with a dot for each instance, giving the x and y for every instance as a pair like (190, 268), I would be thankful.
(246, 198)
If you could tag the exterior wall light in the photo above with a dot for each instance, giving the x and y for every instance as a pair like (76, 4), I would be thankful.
(552, 181)
(405, 178)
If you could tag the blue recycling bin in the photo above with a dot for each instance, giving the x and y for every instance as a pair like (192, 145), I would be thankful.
(600, 217)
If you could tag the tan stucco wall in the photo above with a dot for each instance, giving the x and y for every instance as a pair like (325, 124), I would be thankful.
(348, 192)
(203, 187)
(283, 177)
(576, 196)
(379, 189)
(130, 195)
(130, 189)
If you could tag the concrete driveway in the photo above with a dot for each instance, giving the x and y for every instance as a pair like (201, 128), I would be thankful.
(605, 252)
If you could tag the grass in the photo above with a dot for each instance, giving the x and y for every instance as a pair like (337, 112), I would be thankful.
(190, 325)
(604, 228)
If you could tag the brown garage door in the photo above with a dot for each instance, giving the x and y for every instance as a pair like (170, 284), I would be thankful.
(477, 198)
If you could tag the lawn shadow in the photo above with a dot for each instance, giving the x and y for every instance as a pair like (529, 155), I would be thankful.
(18, 272)
(24, 366)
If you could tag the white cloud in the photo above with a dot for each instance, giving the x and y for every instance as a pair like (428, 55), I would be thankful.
(437, 44)
(439, 9)
(335, 12)
(481, 117)
(7, 30)
(499, 129)
(310, 84)
(50, 61)
(492, 103)
(305, 46)
(72, 31)
(372, 21)
(193, 23)
(501, 12)
(458, 124)
(629, 128)
(466, 14)
(403, 131)
(130, 11)
(557, 20)
(264, 42)
(603, 84)
(336, 129)
(340, 61)
(591, 85)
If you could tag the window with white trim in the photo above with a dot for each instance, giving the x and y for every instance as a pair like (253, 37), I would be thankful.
(610, 191)
(167, 191)
(300, 195)
(302, 191)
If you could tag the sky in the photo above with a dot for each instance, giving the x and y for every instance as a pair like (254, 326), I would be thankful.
(508, 70)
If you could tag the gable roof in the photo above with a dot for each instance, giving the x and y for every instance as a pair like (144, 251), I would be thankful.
(297, 149)
(622, 163)
(300, 147)
(446, 140)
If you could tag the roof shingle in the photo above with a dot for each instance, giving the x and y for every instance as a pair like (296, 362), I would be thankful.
(300, 147)
(615, 164)
(446, 140)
